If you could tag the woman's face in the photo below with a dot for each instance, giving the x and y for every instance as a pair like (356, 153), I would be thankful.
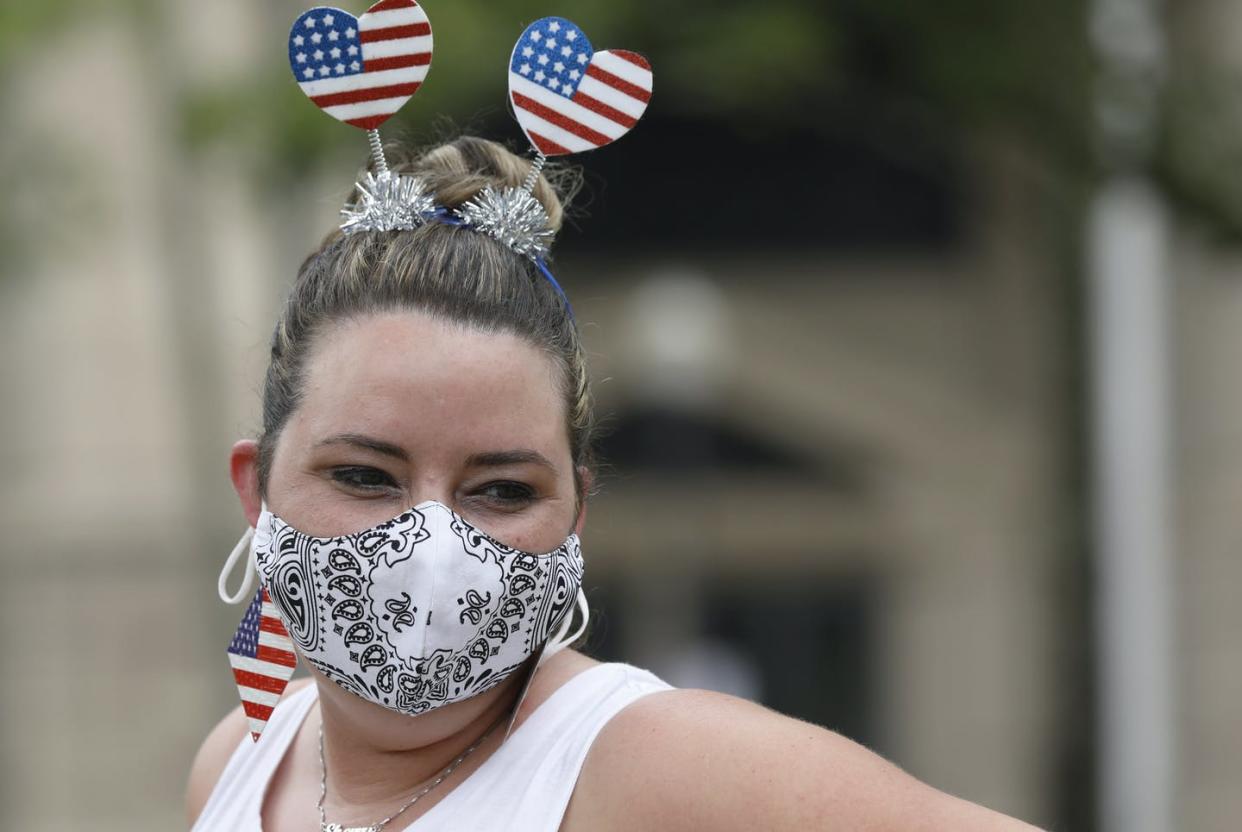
(399, 408)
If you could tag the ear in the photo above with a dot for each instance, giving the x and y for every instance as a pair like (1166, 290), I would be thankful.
(244, 470)
(586, 478)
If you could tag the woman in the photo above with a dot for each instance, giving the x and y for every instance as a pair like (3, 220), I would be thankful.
(437, 366)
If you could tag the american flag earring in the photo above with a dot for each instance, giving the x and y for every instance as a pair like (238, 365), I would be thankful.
(261, 655)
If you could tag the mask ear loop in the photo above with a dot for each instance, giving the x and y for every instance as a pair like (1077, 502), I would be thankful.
(551, 647)
(560, 641)
(242, 548)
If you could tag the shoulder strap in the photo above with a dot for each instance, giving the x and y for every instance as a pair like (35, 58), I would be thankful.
(528, 782)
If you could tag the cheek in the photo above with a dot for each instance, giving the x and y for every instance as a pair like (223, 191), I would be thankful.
(544, 538)
(300, 498)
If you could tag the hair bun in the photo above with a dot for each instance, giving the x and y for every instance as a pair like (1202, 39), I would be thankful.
(459, 169)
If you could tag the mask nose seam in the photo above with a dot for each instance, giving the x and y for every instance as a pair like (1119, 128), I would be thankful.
(426, 504)
(429, 597)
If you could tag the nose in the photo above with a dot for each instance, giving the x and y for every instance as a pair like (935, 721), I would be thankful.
(430, 491)
(425, 505)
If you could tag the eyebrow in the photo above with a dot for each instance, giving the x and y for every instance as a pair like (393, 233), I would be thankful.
(358, 440)
(485, 459)
(495, 459)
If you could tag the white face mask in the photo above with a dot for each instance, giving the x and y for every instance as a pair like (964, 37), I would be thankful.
(421, 610)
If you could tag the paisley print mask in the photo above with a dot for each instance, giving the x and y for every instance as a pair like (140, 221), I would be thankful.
(419, 611)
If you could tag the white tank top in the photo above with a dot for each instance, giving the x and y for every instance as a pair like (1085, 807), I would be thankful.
(524, 786)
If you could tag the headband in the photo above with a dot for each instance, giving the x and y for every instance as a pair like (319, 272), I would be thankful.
(566, 96)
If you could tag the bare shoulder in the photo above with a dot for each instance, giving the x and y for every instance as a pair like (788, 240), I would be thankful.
(558, 670)
(692, 759)
(213, 755)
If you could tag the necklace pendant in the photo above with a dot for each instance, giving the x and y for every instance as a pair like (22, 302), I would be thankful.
(336, 827)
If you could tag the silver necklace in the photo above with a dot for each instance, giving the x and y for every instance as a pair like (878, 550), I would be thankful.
(324, 826)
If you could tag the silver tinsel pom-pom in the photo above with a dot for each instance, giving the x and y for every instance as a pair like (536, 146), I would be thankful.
(513, 216)
(388, 202)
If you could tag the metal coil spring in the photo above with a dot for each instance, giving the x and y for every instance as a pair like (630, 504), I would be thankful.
(536, 167)
(377, 152)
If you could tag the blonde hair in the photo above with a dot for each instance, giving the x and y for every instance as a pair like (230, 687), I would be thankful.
(450, 272)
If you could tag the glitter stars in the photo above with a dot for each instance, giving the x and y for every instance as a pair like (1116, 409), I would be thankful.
(552, 53)
(335, 49)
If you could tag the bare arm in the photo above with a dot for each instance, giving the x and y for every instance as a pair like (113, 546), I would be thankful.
(693, 760)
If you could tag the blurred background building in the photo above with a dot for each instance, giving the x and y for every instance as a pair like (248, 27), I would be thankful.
(836, 291)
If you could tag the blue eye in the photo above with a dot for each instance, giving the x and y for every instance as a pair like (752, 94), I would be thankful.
(362, 478)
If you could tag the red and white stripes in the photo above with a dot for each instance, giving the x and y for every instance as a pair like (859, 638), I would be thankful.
(395, 42)
(610, 98)
(262, 679)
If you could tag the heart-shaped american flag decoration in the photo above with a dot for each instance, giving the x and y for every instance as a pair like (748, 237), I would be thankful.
(361, 70)
(566, 96)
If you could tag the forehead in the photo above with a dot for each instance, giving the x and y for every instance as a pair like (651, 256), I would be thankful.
(414, 379)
